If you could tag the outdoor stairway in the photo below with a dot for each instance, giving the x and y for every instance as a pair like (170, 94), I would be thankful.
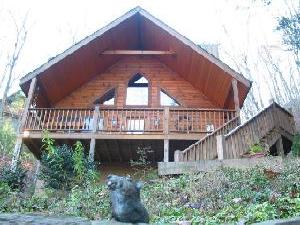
(232, 140)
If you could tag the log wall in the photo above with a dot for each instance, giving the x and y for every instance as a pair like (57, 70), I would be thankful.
(158, 75)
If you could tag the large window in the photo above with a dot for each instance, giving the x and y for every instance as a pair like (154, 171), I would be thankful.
(137, 91)
(167, 100)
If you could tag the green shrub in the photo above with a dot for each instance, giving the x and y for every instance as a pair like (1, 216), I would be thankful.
(296, 145)
(63, 166)
(7, 137)
(256, 148)
(15, 179)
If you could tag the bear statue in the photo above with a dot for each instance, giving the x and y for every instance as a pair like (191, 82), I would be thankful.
(125, 200)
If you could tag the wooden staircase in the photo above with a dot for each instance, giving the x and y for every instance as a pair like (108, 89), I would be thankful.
(233, 140)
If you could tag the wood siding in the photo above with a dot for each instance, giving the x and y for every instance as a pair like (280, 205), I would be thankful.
(158, 75)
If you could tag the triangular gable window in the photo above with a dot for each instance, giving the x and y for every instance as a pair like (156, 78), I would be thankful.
(167, 100)
(108, 98)
(137, 91)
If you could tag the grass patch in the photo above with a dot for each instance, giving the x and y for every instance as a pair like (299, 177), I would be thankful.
(223, 196)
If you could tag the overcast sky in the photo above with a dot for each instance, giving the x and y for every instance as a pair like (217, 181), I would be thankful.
(54, 25)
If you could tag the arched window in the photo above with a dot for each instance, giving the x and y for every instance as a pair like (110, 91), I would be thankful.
(137, 91)
(108, 98)
(167, 100)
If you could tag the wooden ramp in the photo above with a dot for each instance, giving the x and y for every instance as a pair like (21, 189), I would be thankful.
(273, 127)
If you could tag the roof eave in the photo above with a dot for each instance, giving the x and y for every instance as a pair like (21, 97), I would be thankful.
(196, 48)
(77, 46)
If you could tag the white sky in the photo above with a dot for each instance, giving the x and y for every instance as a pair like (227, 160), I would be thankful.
(53, 25)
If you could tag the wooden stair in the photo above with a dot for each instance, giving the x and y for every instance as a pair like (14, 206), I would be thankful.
(267, 126)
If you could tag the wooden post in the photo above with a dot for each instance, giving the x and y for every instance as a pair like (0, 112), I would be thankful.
(220, 146)
(236, 96)
(279, 147)
(92, 150)
(166, 120)
(178, 156)
(27, 104)
(17, 153)
(19, 141)
(166, 150)
(94, 130)
(36, 173)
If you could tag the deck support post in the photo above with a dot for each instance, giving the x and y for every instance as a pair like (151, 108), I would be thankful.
(166, 132)
(279, 147)
(166, 150)
(19, 141)
(220, 146)
(94, 130)
(236, 96)
(92, 150)
(178, 156)
(36, 173)
(17, 153)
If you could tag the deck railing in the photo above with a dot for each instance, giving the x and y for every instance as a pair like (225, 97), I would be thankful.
(54, 119)
(198, 120)
(128, 120)
(135, 120)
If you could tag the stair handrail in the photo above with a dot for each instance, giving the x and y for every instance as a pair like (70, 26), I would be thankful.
(221, 130)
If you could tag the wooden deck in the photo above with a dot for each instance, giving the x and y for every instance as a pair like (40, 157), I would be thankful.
(116, 123)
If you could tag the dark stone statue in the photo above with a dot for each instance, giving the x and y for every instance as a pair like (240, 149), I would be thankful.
(125, 200)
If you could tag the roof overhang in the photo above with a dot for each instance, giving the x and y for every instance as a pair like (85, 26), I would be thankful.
(136, 30)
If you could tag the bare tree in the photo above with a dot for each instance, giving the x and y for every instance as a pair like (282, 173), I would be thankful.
(8, 75)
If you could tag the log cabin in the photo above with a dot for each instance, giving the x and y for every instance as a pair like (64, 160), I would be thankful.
(134, 83)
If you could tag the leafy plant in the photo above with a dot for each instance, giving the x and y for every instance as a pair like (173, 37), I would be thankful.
(256, 148)
(142, 164)
(7, 137)
(15, 179)
(63, 166)
(79, 161)
(296, 145)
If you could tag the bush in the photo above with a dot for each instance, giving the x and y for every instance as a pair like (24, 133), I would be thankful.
(7, 137)
(14, 179)
(63, 166)
(296, 145)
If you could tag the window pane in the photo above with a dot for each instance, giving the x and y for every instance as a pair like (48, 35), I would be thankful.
(137, 96)
(166, 100)
(109, 102)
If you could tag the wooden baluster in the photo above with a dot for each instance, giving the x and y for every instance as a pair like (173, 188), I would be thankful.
(69, 123)
(85, 126)
(145, 123)
(48, 121)
(214, 123)
(192, 121)
(108, 120)
(29, 125)
(124, 126)
(75, 119)
(45, 116)
(79, 120)
(34, 118)
(205, 120)
(65, 120)
(56, 121)
(150, 119)
(61, 119)
(160, 120)
(53, 118)
(40, 118)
